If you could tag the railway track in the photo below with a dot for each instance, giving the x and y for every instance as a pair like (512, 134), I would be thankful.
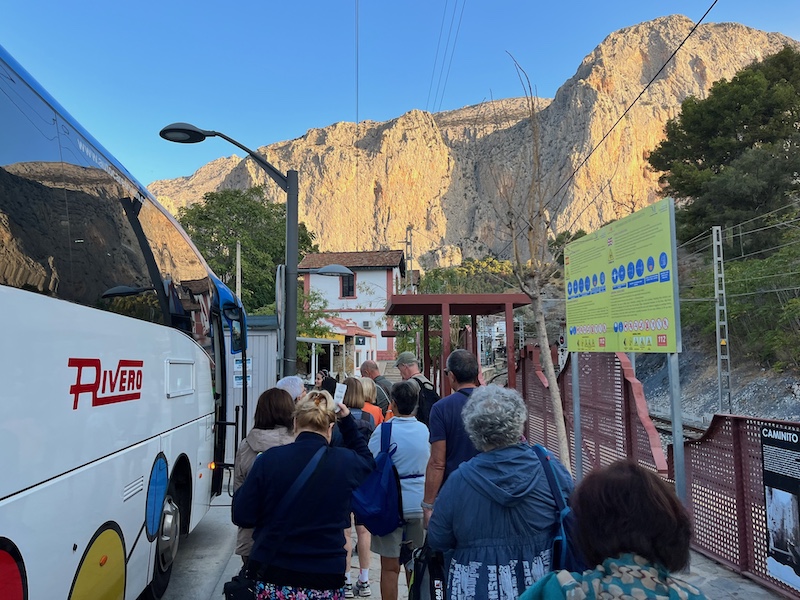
(664, 427)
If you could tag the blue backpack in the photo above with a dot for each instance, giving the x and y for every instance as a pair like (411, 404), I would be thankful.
(377, 502)
(565, 553)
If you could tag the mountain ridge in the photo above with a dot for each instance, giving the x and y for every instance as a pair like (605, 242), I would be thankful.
(362, 185)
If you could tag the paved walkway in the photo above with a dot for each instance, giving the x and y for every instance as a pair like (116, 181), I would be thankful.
(717, 582)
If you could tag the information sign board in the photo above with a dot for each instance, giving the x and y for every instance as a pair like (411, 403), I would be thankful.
(622, 286)
(780, 449)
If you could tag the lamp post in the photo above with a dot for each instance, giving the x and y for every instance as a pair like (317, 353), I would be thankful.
(185, 133)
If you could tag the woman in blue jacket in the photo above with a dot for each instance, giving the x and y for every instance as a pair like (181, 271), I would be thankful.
(495, 516)
(308, 559)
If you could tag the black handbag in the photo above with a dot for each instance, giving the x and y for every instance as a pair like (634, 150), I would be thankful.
(243, 585)
(240, 587)
(427, 578)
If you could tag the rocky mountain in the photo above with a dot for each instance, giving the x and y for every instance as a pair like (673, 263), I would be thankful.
(362, 184)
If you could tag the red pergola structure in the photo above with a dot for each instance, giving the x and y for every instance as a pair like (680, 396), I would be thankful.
(447, 305)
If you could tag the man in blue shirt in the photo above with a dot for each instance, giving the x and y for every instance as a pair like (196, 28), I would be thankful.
(450, 444)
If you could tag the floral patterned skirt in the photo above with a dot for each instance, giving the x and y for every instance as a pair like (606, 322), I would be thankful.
(270, 591)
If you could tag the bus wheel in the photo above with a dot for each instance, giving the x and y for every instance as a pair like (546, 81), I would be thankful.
(166, 544)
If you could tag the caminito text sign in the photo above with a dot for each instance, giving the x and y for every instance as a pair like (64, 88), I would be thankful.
(622, 287)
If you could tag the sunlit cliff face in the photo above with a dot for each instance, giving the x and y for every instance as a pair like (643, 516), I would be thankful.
(446, 174)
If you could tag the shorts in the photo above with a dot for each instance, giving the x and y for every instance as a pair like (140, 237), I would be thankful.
(389, 545)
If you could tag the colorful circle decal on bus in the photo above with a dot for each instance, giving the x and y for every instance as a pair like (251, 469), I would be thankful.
(102, 571)
(156, 493)
(13, 580)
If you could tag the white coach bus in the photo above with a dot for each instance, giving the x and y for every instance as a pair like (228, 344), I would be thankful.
(111, 365)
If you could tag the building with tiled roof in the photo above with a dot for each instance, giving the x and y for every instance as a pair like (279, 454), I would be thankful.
(375, 259)
(360, 298)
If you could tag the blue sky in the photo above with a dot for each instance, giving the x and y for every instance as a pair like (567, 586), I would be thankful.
(264, 71)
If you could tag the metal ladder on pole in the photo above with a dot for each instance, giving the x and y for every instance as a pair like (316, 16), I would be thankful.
(723, 349)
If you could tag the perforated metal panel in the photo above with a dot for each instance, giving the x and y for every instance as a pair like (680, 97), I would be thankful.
(724, 468)
(612, 406)
(724, 474)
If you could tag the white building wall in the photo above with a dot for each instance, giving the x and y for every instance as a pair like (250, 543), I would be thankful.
(369, 304)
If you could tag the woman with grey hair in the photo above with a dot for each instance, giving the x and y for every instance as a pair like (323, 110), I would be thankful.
(495, 516)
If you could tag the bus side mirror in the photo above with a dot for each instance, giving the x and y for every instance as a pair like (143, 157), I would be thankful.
(235, 318)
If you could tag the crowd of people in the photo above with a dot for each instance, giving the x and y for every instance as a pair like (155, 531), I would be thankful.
(471, 488)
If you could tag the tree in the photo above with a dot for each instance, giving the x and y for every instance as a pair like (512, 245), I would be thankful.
(486, 275)
(525, 212)
(724, 155)
(757, 183)
(247, 216)
(559, 242)
(312, 308)
(763, 300)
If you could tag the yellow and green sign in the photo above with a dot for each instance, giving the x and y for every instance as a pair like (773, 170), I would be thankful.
(622, 287)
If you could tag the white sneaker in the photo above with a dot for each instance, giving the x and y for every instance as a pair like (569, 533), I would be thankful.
(348, 590)
(363, 589)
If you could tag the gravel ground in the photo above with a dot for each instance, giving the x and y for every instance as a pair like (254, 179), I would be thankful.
(754, 391)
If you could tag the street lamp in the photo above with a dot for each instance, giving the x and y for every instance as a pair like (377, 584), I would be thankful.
(185, 133)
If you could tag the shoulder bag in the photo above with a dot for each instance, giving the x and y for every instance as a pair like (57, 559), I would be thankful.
(565, 552)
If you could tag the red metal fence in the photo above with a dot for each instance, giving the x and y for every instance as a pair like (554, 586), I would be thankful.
(615, 422)
(724, 468)
(725, 494)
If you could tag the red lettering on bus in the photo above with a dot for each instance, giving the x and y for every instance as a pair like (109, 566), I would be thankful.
(128, 375)
(81, 387)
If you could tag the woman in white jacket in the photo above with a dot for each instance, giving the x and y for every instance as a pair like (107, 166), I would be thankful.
(273, 427)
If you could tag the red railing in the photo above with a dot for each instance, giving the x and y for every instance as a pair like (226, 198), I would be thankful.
(725, 495)
(615, 422)
(724, 468)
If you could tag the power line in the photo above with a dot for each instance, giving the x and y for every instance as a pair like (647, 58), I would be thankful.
(627, 110)
(749, 279)
(698, 251)
(649, 83)
(357, 116)
(695, 238)
(788, 289)
(763, 251)
(732, 229)
(436, 59)
(740, 282)
(793, 202)
(356, 66)
(741, 234)
(444, 56)
(426, 235)
(452, 53)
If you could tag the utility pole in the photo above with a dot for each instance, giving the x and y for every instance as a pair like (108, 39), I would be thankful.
(238, 269)
(409, 256)
(723, 349)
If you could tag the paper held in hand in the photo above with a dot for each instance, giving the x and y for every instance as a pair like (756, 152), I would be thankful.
(338, 397)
